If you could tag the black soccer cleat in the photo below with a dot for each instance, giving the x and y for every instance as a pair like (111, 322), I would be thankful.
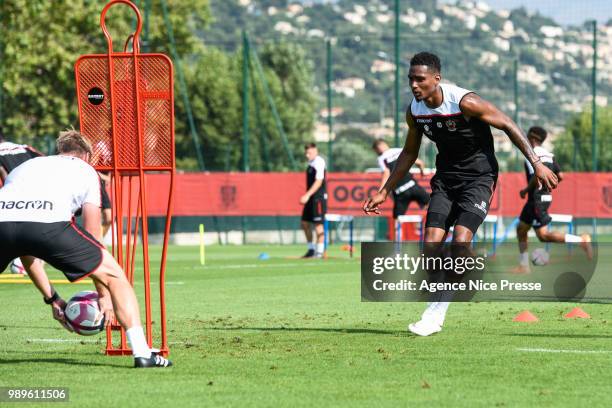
(152, 362)
(309, 254)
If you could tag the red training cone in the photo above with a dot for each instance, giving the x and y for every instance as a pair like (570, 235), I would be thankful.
(525, 316)
(577, 313)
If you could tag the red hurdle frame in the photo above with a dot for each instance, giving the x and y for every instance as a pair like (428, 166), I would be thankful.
(126, 110)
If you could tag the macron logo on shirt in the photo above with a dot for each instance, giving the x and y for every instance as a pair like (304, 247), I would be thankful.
(26, 205)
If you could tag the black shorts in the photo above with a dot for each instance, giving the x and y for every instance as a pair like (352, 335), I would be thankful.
(64, 245)
(106, 203)
(535, 213)
(402, 201)
(451, 198)
(314, 210)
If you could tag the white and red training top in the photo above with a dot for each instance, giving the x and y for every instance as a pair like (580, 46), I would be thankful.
(48, 189)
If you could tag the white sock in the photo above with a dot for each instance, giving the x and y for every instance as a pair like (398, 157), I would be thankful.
(436, 311)
(430, 312)
(320, 248)
(524, 259)
(139, 345)
(572, 238)
(431, 306)
(441, 310)
(311, 246)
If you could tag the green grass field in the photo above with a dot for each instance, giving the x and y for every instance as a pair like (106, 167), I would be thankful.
(287, 332)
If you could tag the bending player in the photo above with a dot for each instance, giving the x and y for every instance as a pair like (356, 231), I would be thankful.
(458, 121)
(38, 203)
(535, 211)
(407, 190)
(314, 201)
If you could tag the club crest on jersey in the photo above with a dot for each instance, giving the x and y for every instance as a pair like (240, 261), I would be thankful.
(482, 207)
(451, 125)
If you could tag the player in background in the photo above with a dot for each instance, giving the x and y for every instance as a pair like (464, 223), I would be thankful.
(38, 203)
(458, 121)
(535, 211)
(107, 215)
(103, 155)
(407, 190)
(314, 201)
(11, 156)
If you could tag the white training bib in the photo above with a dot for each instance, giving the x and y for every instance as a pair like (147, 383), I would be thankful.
(48, 189)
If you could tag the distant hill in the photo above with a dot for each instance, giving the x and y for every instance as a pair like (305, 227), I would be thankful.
(476, 44)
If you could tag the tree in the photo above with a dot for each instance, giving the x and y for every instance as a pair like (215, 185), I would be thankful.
(214, 79)
(41, 41)
(350, 156)
(217, 109)
(356, 136)
(575, 141)
(290, 79)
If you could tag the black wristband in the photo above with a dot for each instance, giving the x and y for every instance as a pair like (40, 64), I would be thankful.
(52, 299)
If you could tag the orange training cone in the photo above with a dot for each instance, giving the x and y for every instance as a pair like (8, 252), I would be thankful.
(525, 316)
(577, 313)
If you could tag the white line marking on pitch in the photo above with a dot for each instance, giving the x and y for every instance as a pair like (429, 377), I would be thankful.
(544, 350)
(264, 265)
(61, 341)
(157, 283)
(283, 265)
(80, 341)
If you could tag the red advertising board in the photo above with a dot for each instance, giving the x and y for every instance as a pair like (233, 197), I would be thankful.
(226, 194)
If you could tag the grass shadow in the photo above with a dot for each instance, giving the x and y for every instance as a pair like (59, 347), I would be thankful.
(62, 353)
(311, 329)
(66, 361)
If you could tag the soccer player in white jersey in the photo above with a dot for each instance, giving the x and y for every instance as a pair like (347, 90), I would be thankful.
(314, 201)
(37, 206)
(458, 121)
(407, 190)
(535, 211)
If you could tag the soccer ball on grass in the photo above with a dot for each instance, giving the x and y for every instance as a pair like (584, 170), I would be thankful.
(83, 313)
(540, 257)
